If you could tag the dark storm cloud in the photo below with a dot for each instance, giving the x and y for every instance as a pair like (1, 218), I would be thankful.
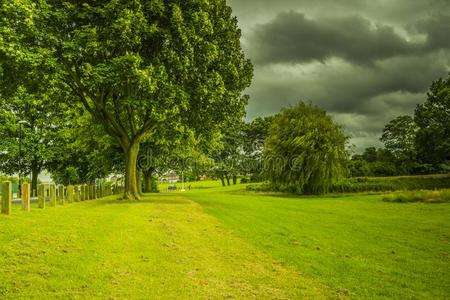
(293, 38)
(437, 30)
(342, 87)
(364, 61)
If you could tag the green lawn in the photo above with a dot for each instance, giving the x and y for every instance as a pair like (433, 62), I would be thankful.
(164, 247)
(215, 243)
(356, 244)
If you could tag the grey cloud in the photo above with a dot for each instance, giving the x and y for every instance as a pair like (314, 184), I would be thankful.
(437, 29)
(398, 12)
(380, 57)
(343, 87)
(367, 97)
(293, 38)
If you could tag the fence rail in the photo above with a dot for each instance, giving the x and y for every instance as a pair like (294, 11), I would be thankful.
(53, 195)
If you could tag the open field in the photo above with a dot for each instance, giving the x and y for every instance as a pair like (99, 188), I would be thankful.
(164, 247)
(215, 242)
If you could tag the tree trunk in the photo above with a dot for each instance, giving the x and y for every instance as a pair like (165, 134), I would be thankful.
(148, 181)
(131, 191)
(35, 170)
(228, 179)
(223, 180)
(139, 181)
(234, 179)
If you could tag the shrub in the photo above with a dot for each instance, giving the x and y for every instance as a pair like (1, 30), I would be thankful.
(437, 196)
(245, 180)
(381, 184)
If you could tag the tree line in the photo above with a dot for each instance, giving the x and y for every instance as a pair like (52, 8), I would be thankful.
(418, 144)
(142, 87)
(92, 81)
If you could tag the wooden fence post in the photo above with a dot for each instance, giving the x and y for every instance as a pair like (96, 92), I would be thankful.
(86, 192)
(69, 193)
(76, 197)
(83, 192)
(52, 195)
(89, 192)
(41, 196)
(7, 197)
(61, 196)
(26, 195)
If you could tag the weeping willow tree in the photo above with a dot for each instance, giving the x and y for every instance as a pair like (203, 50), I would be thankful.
(305, 150)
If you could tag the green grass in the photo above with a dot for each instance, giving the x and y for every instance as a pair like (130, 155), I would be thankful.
(355, 244)
(215, 243)
(164, 247)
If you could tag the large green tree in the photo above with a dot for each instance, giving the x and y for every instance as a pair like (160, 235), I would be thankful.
(135, 64)
(433, 121)
(305, 150)
(29, 94)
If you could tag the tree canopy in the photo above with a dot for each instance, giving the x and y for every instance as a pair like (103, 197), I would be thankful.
(305, 150)
(433, 121)
(399, 137)
(136, 64)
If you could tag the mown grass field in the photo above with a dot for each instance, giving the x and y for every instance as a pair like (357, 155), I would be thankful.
(213, 243)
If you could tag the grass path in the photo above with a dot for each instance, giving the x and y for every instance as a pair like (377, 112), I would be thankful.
(164, 247)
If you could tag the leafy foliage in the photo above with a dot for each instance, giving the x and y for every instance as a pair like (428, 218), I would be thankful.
(136, 64)
(84, 153)
(31, 125)
(433, 121)
(305, 150)
(374, 162)
(399, 139)
(254, 138)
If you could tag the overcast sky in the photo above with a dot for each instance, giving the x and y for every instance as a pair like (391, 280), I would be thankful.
(364, 61)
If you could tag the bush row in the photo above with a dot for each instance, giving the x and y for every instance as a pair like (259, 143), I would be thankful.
(381, 184)
(440, 196)
(371, 184)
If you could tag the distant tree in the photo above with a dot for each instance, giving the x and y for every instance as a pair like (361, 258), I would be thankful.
(135, 64)
(254, 138)
(229, 157)
(399, 137)
(374, 162)
(255, 133)
(305, 150)
(35, 120)
(433, 121)
(370, 154)
(359, 167)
